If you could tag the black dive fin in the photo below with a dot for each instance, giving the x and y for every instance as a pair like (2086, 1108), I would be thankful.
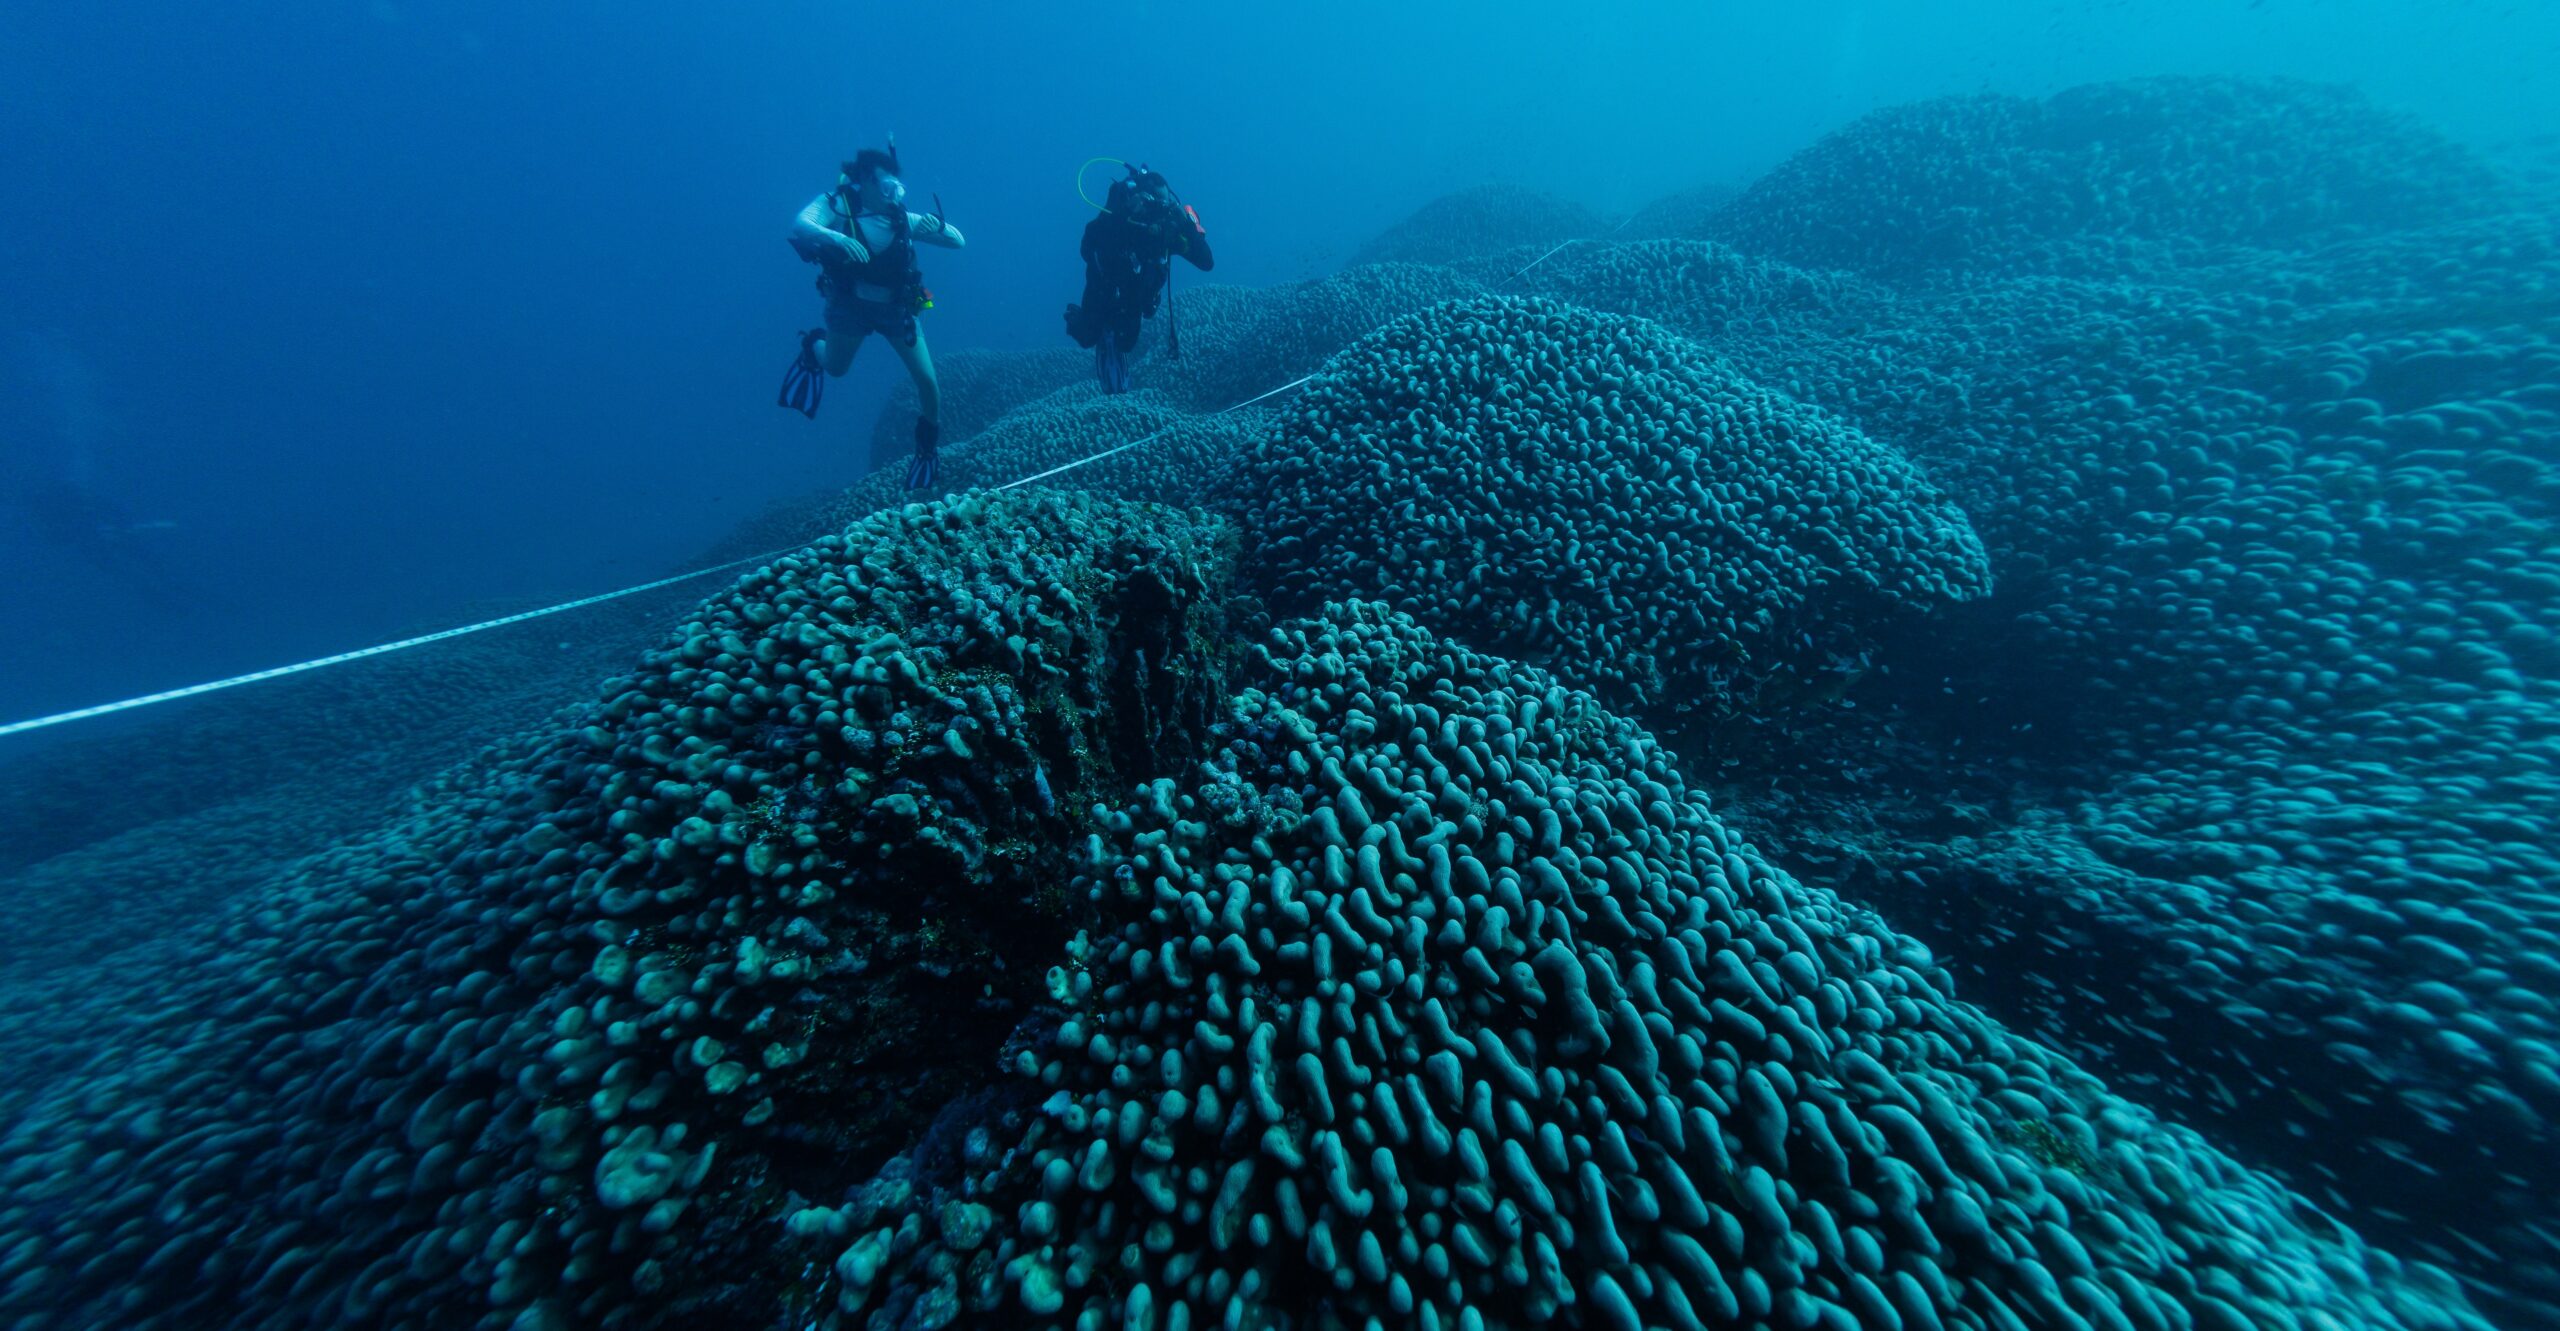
(928, 443)
(804, 385)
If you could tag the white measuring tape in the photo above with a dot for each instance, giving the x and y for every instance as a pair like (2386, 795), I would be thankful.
(1621, 226)
(1237, 406)
(172, 695)
(213, 686)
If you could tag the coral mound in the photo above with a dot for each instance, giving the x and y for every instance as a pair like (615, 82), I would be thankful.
(1437, 999)
(540, 1055)
(2092, 179)
(1596, 494)
(1472, 224)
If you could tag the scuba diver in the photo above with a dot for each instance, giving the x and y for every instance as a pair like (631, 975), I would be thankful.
(111, 540)
(864, 240)
(1128, 253)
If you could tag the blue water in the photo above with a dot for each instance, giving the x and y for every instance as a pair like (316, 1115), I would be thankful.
(399, 312)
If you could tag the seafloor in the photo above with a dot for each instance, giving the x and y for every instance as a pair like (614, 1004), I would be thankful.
(1964, 737)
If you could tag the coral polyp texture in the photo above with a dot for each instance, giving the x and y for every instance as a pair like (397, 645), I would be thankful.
(1436, 998)
(1599, 494)
(541, 1054)
(1407, 982)
(2240, 782)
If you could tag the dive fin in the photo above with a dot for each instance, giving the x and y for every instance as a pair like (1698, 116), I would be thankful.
(928, 443)
(1111, 364)
(804, 385)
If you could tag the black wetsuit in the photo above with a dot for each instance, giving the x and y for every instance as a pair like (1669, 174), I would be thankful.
(1125, 267)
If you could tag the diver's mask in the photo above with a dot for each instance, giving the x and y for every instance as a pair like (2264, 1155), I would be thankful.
(1149, 209)
(893, 191)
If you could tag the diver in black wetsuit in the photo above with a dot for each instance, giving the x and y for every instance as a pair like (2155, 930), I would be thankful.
(1128, 255)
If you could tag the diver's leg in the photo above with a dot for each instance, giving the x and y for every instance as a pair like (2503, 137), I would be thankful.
(1124, 343)
(835, 350)
(919, 359)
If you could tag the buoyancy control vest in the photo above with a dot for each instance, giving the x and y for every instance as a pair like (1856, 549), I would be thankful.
(892, 268)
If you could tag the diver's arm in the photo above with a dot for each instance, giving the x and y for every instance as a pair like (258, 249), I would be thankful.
(1098, 287)
(1097, 279)
(815, 239)
(934, 231)
(1192, 242)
